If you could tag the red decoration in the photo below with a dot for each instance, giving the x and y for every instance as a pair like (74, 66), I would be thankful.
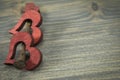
(31, 13)
(35, 54)
(36, 19)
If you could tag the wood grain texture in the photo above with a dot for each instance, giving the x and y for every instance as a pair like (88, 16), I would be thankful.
(81, 39)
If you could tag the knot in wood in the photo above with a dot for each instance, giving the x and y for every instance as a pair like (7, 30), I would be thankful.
(95, 6)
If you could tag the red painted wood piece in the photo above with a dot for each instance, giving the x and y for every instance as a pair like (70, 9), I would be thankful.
(35, 17)
(35, 55)
(31, 13)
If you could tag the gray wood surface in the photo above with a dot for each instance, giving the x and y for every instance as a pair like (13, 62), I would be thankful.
(81, 39)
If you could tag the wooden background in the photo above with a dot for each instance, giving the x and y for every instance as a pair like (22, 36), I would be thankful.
(81, 39)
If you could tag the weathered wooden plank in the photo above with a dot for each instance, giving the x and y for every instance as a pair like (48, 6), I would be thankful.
(81, 40)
